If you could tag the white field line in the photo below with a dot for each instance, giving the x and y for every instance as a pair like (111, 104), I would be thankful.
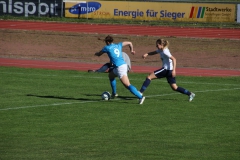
(217, 90)
(59, 104)
(45, 105)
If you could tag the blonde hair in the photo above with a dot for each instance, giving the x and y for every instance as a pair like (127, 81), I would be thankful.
(163, 42)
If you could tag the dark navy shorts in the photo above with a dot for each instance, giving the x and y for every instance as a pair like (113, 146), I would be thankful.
(161, 73)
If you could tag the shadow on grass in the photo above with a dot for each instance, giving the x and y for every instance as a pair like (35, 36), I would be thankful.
(83, 99)
(118, 97)
(59, 97)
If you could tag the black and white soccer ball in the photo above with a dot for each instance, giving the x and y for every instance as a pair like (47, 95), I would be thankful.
(106, 95)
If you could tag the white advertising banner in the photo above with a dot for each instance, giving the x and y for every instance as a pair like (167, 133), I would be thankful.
(238, 13)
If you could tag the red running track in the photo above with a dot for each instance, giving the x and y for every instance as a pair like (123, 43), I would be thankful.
(119, 29)
(124, 29)
(86, 66)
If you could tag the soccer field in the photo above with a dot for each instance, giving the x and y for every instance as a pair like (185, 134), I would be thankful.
(59, 114)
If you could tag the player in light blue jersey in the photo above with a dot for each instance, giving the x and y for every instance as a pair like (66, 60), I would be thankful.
(120, 68)
(168, 69)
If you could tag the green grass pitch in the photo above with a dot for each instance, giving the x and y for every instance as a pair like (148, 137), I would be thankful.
(52, 114)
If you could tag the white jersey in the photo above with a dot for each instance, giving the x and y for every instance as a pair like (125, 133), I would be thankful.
(165, 57)
(127, 60)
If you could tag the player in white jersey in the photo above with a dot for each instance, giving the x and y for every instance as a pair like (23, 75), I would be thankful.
(107, 67)
(168, 69)
(120, 68)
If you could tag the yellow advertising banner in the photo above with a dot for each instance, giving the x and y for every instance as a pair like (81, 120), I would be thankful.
(199, 12)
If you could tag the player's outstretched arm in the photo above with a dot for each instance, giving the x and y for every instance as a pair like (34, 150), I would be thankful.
(149, 53)
(98, 53)
(127, 43)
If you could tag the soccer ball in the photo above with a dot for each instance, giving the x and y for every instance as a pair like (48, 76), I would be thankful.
(106, 96)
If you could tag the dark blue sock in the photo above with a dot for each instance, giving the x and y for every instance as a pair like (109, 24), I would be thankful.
(183, 91)
(145, 85)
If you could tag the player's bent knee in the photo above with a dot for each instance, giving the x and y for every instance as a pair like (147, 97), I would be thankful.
(149, 77)
(174, 88)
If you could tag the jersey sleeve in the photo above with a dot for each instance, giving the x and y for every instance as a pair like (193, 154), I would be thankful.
(120, 44)
(104, 49)
(167, 52)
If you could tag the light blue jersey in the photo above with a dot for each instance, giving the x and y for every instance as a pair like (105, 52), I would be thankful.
(114, 52)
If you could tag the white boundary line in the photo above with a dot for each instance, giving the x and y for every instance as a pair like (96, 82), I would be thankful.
(59, 104)
(45, 105)
(161, 95)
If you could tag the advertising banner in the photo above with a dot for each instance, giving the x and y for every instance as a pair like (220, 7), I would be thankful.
(199, 12)
(30, 7)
